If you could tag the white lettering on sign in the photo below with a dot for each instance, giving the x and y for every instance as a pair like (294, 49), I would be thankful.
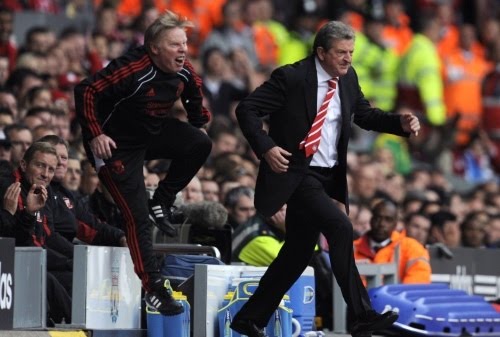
(5, 290)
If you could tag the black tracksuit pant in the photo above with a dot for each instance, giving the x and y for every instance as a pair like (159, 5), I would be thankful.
(188, 147)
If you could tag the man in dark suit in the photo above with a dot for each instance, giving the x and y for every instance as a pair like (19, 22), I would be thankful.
(304, 166)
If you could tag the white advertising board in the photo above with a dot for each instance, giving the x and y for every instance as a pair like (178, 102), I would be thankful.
(106, 290)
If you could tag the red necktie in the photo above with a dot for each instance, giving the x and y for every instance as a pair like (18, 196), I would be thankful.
(310, 144)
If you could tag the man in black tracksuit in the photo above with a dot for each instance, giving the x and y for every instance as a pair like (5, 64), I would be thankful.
(29, 224)
(123, 112)
(72, 216)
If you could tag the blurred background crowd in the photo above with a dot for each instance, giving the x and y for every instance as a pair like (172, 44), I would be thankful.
(440, 58)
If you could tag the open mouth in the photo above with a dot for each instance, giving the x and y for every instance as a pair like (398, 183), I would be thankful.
(180, 60)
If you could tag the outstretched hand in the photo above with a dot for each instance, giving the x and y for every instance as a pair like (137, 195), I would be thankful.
(275, 157)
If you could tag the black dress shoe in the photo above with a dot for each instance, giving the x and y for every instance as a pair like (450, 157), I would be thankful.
(373, 321)
(247, 327)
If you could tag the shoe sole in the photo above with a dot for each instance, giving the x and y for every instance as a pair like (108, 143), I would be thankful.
(383, 324)
(166, 313)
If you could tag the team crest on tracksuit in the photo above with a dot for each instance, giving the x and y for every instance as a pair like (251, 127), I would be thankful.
(117, 167)
(68, 202)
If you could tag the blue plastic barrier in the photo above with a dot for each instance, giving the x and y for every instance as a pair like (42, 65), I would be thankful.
(436, 310)
(280, 324)
(170, 326)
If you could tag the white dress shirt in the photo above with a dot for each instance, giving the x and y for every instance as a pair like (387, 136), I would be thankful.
(326, 156)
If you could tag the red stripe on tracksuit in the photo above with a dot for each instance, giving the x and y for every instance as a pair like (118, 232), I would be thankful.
(100, 85)
(130, 224)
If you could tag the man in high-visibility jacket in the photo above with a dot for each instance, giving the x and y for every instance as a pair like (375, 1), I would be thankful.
(383, 244)
(375, 65)
(420, 86)
(463, 74)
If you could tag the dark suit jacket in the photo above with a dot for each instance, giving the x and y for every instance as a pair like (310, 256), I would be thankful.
(289, 98)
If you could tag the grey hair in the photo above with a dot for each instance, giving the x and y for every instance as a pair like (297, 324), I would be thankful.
(234, 195)
(333, 30)
(167, 21)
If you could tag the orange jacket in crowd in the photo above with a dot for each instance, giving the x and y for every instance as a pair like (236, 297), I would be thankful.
(354, 19)
(265, 44)
(205, 14)
(398, 38)
(414, 262)
(449, 41)
(463, 74)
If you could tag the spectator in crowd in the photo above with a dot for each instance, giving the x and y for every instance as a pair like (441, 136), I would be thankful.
(490, 91)
(396, 33)
(258, 241)
(365, 182)
(61, 123)
(473, 229)
(489, 30)
(73, 176)
(7, 46)
(5, 148)
(31, 122)
(360, 218)
(220, 86)
(58, 300)
(21, 138)
(449, 33)
(6, 117)
(224, 141)
(393, 187)
(383, 244)
(445, 229)
(192, 192)
(42, 130)
(39, 96)
(158, 74)
(44, 113)
(90, 179)
(73, 44)
(375, 64)
(38, 40)
(20, 81)
(420, 86)
(9, 202)
(232, 34)
(33, 229)
(417, 226)
(151, 181)
(71, 217)
(9, 100)
(477, 159)
(464, 72)
(239, 203)
(493, 231)
(4, 70)
(104, 207)
(210, 189)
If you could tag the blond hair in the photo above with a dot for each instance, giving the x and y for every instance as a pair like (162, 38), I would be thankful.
(167, 21)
